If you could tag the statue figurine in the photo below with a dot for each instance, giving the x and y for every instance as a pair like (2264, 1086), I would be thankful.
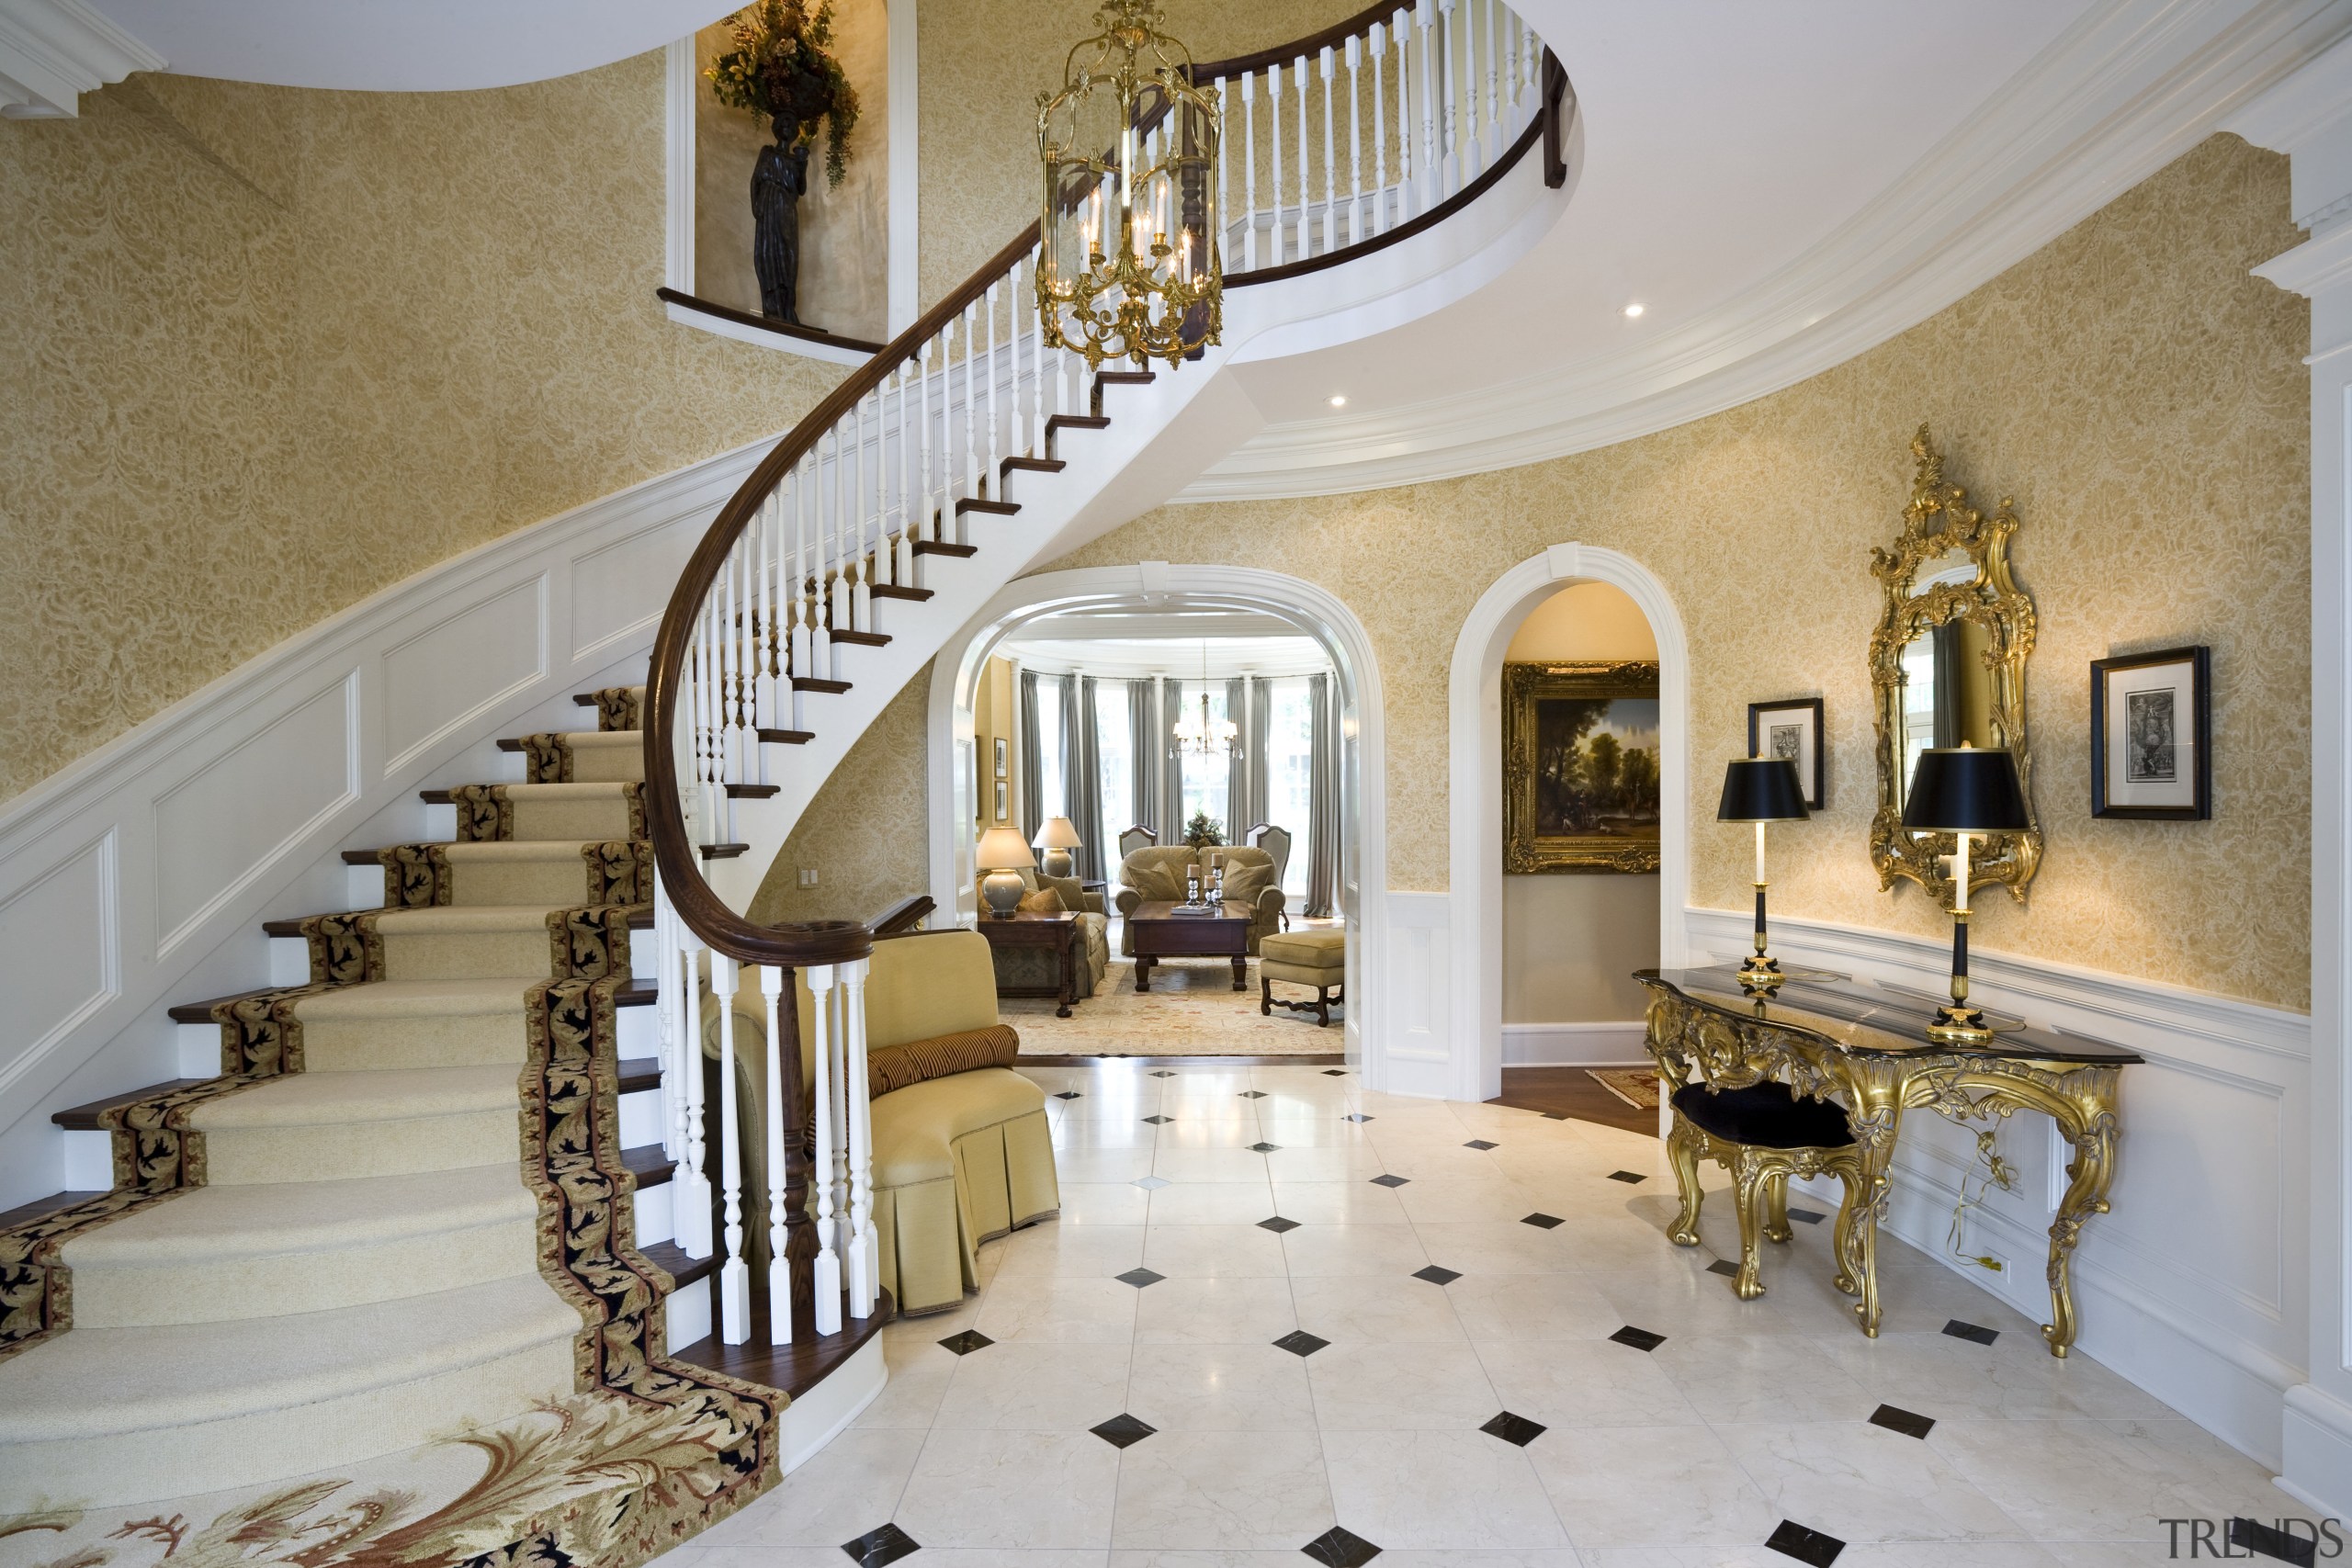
(778, 181)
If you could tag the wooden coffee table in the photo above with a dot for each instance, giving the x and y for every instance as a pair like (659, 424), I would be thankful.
(1157, 932)
(1060, 934)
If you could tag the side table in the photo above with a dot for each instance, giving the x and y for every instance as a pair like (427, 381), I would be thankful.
(1059, 933)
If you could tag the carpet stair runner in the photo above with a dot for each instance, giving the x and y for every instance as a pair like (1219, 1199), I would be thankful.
(340, 1247)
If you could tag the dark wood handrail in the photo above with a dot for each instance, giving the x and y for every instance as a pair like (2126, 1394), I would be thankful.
(903, 917)
(795, 946)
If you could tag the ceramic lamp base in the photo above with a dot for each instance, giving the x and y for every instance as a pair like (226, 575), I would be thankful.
(1060, 862)
(1002, 890)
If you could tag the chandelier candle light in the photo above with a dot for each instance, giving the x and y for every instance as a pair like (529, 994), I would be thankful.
(1964, 791)
(1131, 267)
(1761, 790)
(1206, 737)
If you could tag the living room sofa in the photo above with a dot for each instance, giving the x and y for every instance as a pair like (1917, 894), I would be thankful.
(1158, 872)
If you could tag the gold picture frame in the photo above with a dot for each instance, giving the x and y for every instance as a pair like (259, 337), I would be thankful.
(1580, 787)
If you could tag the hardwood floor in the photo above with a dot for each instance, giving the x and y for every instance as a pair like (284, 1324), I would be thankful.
(1571, 1091)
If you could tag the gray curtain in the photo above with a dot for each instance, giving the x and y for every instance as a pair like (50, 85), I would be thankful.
(1171, 803)
(1143, 754)
(1238, 763)
(1033, 760)
(1082, 771)
(1260, 738)
(1323, 816)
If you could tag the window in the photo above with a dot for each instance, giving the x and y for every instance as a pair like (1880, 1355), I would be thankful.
(1046, 787)
(1290, 772)
(1112, 743)
(1205, 778)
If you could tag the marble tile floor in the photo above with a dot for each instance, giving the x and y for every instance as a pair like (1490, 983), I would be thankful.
(1293, 1321)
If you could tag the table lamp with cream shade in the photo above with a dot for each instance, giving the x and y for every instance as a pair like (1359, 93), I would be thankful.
(1004, 857)
(1761, 790)
(1966, 791)
(1057, 837)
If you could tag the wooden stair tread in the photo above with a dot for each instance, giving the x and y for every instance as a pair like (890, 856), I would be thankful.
(795, 1367)
(85, 1118)
(639, 1072)
(977, 504)
(641, 919)
(1033, 465)
(649, 1163)
(753, 792)
(723, 851)
(436, 798)
(1077, 421)
(1125, 378)
(941, 547)
(789, 737)
(26, 1213)
(201, 1012)
(810, 684)
(899, 591)
(672, 1259)
(510, 743)
(863, 639)
(361, 857)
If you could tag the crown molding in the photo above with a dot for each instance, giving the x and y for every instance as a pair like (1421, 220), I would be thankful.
(52, 51)
(2129, 88)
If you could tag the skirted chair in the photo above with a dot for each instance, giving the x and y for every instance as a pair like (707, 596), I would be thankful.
(1032, 968)
(1158, 873)
(962, 1151)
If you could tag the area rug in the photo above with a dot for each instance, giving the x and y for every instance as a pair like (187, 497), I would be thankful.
(1638, 1086)
(1192, 1009)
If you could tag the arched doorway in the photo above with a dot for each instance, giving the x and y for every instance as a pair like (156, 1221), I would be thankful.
(1474, 796)
(1363, 875)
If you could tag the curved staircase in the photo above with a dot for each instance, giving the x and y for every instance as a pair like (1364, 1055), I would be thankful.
(328, 1251)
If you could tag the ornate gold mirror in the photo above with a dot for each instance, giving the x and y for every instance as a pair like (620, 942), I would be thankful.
(1948, 668)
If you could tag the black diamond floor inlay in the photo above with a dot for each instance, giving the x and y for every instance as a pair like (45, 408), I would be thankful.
(1639, 1338)
(1389, 1180)
(1437, 1276)
(1299, 1342)
(1725, 1267)
(1556, 1116)
(1140, 1277)
(1163, 1072)
(1156, 1121)
(1253, 1094)
(1070, 1094)
(1543, 1222)
(1626, 1176)
(1513, 1428)
(1807, 1216)
(1340, 1548)
(1792, 1540)
(1480, 1144)
(1910, 1423)
(1264, 1148)
(1335, 1072)
(1974, 1333)
(964, 1344)
(1278, 1224)
(2269, 1540)
(1123, 1431)
(877, 1546)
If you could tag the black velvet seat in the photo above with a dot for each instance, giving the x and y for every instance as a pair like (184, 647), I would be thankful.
(1765, 1115)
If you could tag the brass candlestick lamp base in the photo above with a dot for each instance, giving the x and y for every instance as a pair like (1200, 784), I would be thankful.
(1760, 975)
(1956, 1023)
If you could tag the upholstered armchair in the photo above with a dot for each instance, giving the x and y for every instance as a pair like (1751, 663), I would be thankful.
(1157, 875)
(1026, 967)
(1137, 838)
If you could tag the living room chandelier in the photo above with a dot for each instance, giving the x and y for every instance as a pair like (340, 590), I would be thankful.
(1206, 737)
(1129, 266)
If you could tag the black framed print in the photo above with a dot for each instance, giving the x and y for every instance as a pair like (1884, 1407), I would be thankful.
(1002, 753)
(1792, 730)
(2152, 725)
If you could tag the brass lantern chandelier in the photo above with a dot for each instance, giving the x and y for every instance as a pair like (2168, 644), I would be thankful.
(1130, 267)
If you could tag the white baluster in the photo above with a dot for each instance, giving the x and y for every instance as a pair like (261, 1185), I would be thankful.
(865, 1251)
(1305, 220)
(1430, 191)
(1249, 171)
(690, 1197)
(1274, 128)
(1225, 210)
(970, 483)
(1356, 144)
(771, 983)
(1495, 45)
(1473, 131)
(927, 451)
(1378, 46)
(828, 1276)
(1406, 130)
(989, 463)
(862, 591)
(1448, 71)
(909, 470)
(804, 651)
(832, 506)
(1331, 166)
(734, 1275)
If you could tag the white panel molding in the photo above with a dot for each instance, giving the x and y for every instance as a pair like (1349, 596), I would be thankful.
(154, 947)
(2220, 1342)
(52, 52)
(1575, 1044)
(2122, 92)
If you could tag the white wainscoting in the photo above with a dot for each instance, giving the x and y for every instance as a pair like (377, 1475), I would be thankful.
(1412, 1053)
(2192, 1287)
(138, 878)
(1575, 1044)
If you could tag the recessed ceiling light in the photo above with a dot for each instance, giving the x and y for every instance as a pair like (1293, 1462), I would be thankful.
(1633, 310)
(1339, 399)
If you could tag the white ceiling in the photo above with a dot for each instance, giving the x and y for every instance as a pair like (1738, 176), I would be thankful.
(403, 45)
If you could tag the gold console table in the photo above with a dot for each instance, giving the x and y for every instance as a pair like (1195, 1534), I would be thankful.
(1867, 1047)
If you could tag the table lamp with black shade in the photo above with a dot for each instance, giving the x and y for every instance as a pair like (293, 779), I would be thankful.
(1966, 791)
(1761, 790)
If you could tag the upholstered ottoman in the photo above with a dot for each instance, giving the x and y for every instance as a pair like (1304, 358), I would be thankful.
(1316, 958)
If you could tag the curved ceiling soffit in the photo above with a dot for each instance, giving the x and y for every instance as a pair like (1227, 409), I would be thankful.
(2110, 104)
(402, 46)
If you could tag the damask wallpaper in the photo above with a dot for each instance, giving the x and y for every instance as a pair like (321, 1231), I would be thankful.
(864, 833)
(2142, 398)
(264, 350)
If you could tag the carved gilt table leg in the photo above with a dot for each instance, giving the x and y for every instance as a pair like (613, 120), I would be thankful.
(1752, 1179)
(1775, 1209)
(1682, 1152)
(1874, 1094)
(2081, 1101)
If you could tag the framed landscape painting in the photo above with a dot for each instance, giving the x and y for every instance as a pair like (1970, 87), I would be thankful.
(2152, 725)
(1580, 768)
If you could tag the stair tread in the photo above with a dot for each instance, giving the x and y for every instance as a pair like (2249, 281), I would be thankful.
(810, 684)
(723, 851)
(98, 1382)
(939, 547)
(672, 1259)
(270, 1218)
(753, 792)
(610, 788)
(789, 737)
(1077, 421)
(863, 639)
(388, 1094)
(900, 591)
(994, 508)
(1033, 465)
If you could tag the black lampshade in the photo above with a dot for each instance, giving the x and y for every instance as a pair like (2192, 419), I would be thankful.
(1965, 789)
(1761, 789)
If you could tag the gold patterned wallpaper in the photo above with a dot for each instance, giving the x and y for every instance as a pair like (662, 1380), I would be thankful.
(864, 833)
(264, 350)
(978, 165)
(2145, 401)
